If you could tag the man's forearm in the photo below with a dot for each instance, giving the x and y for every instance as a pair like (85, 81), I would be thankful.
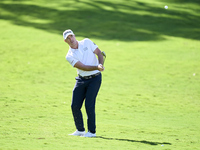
(89, 68)
(100, 58)
(99, 55)
(81, 66)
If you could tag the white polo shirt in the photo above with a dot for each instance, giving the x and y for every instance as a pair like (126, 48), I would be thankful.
(85, 54)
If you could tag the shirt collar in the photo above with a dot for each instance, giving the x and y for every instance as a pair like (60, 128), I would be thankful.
(73, 50)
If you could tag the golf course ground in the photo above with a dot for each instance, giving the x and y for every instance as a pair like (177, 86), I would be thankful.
(150, 93)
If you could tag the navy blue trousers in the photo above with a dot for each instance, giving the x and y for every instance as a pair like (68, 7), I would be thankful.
(85, 89)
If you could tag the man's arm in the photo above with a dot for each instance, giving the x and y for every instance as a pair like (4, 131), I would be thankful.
(81, 66)
(97, 51)
(100, 67)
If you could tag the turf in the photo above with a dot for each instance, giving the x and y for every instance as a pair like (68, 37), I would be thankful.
(149, 98)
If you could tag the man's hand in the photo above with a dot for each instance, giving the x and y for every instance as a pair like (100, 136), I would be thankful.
(100, 67)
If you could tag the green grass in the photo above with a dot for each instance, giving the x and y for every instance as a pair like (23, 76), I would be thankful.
(149, 98)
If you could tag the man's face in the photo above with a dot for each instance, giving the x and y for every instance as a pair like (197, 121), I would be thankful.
(71, 40)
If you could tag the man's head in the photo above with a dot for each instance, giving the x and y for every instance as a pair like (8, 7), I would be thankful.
(69, 38)
(66, 33)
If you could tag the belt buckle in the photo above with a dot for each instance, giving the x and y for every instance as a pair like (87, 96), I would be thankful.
(91, 76)
(86, 77)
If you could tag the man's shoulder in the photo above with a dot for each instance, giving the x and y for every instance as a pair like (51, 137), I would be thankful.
(85, 41)
(70, 52)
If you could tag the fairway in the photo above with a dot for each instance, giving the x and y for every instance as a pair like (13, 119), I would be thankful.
(150, 93)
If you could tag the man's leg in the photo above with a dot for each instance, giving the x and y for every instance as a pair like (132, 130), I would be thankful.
(90, 100)
(77, 102)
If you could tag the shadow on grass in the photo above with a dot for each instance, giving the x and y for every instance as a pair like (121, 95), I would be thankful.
(121, 20)
(128, 140)
(183, 1)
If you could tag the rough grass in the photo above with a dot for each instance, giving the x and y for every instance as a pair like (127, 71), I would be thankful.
(150, 93)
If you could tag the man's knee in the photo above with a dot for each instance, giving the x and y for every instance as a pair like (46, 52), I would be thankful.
(90, 107)
(75, 107)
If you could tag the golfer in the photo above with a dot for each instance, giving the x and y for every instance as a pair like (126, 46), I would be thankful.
(82, 55)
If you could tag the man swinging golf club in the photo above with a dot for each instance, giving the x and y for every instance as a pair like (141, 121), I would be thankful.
(82, 55)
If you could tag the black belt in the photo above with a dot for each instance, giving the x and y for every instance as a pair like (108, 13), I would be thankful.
(89, 77)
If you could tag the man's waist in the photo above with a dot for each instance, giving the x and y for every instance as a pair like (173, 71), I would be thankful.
(89, 76)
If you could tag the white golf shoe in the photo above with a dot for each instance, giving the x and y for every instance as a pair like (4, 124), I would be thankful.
(89, 134)
(78, 133)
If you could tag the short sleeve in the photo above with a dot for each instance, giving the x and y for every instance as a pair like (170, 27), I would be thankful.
(71, 59)
(93, 46)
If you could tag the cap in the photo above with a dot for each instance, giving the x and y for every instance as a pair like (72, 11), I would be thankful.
(67, 32)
